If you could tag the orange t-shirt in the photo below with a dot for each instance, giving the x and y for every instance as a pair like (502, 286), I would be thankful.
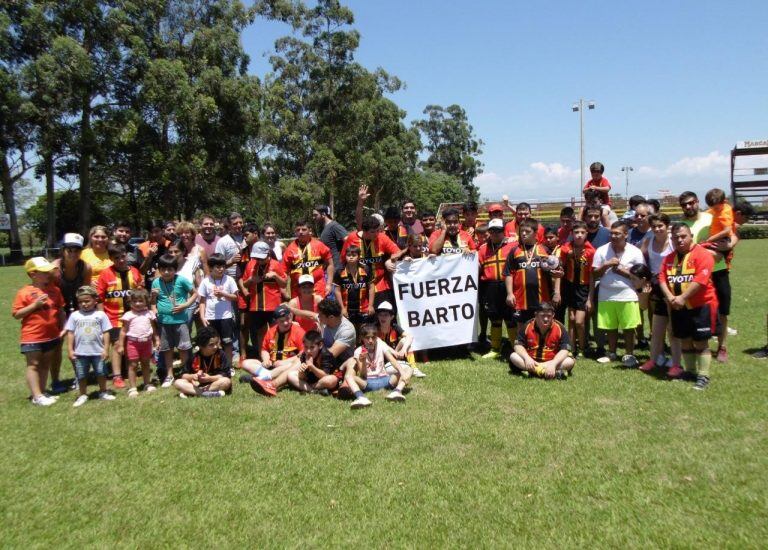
(42, 325)
(722, 218)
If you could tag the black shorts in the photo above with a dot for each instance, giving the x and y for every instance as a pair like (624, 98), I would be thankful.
(114, 334)
(493, 299)
(358, 319)
(575, 295)
(722, 283)
(225, 328)
(658, 303)
(523, 315)
(698, 324)
(259, 319)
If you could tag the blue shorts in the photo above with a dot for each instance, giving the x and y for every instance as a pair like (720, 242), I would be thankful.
(375, 384)
(42, 347)
(83, 363)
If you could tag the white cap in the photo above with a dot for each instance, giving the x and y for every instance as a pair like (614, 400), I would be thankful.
(260, 250)
(496, 223)
(385, 306)
(306, 278)
(73, 239)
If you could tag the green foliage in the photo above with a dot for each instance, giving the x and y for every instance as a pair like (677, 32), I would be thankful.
(67, 219)
(429, 189)
(753, 232)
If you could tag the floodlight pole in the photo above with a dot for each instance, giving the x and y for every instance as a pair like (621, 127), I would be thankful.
(579, 107)
(627, 170)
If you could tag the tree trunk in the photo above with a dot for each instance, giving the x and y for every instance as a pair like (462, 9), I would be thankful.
(50, 202)
(86, 140)
(10, 207)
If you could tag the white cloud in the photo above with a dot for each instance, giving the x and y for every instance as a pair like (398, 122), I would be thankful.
(715, 163)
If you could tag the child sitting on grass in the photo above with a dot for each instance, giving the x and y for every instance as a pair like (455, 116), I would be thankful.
(88, 343)
(367, 370)
(40, 308)
(317, 370)
(138, 338)
(208, 375)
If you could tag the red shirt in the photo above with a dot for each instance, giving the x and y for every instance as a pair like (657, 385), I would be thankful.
(309, 259)
(544, 346)
(604, 198)
(263, 295)
(563, 234)
(373, 253)
(354, 288)
(578, 270)
(114, 288)
(510, 232)
(530, 283)
(677, 273)
(492, 259)
(283, 345)
(42, 325)
(456, 245)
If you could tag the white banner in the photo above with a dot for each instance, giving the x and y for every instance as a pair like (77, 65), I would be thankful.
(437, 299)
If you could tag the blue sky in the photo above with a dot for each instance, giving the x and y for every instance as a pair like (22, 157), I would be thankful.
(676, 84)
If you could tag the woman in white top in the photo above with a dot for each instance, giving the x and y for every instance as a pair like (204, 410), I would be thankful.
(269, 236)
(655, 247)
(195, 265)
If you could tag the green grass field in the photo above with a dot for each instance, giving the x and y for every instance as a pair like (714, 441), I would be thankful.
(474, 458)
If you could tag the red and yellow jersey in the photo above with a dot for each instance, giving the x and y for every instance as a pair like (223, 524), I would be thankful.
(283, 345)
(311, 259)
(42, 325)
(114, 289)
(563, 234)
(511, 232)
(305, 322)
(604, 196)
(530, 283)
(678, 272)
(455, 244)
(263, 295)
(373, 253)
(544, 346)
(578, 269)
(390, 337)
(492, 259)
(354, 288)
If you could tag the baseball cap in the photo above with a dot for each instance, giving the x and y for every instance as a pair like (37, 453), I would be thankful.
(38, 263)
(495, 207)
(385, 306)
(281, 311)
(72, 239)
(306, 278)
(260, 250)
(496, 224)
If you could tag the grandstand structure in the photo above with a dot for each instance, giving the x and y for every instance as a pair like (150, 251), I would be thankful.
(749, 174)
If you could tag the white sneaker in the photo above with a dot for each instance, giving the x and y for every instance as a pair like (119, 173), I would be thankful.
(106, 396)
(629, 361)
(611, 357)
(80, 401)
(167, 383)
(183, 396)
(149, 388)
(43, 401)
(360, 403)
(732, 332)
(133, 393)
(417, 373)
(395, 396)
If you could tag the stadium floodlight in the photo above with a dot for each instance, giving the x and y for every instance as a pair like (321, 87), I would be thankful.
(627, 170)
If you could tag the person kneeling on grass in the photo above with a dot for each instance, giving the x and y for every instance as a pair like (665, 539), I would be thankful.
(279, 354)
(367, 370)
(543, 348)
(208, 375)
(317, 370)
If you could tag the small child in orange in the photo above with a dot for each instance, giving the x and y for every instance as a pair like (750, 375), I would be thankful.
(722, 215)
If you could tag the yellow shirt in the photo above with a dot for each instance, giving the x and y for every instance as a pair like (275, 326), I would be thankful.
(98, 263)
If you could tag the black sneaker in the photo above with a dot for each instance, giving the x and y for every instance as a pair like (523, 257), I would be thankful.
(212, 394)
(701, 382)
(561, 374)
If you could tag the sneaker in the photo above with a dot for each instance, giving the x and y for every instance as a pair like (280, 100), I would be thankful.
(561, 374)
(642, 343)
(648, 366)
(418, 373)
(491, 355)
(264, 387)
(629, 361)
(360, 403)
(701, 382)
(395, 396)
(53, 397)
(610, 358)
(133, 392)
(149, 388)
(211, 394)
(59, 387)
(722, 355)
(168, 382)
(80, 401)
(183, 396)
(232, 372)
(177, 364)
(43, 401)
(105, 396)
(118, 382)
(762, 354)
(675, 371)
(732, 332)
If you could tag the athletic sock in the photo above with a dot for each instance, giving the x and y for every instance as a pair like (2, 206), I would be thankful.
(702, 364)
(358, 394)
(689, 361)
(495, 335)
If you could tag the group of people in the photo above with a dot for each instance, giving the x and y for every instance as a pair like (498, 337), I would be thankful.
(318, 314)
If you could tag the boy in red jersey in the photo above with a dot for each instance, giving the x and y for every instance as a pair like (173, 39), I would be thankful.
(685, 281)
(354, 288)
(599, 183)
(264, 278)
(542, 348)
(576, 286)
(114, 287)
(452, 239)
(307, 255)
(522, 213)
(40, 308)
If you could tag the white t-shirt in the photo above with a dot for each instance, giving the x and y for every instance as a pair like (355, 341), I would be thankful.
(217, 307)
(88, 329)
(376, 360)
(228, 246)
(614, 287)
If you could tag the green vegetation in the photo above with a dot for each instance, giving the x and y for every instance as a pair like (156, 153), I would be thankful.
(475, 457)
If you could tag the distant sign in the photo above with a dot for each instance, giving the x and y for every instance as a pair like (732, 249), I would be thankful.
(5, 222)
(752, 144)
